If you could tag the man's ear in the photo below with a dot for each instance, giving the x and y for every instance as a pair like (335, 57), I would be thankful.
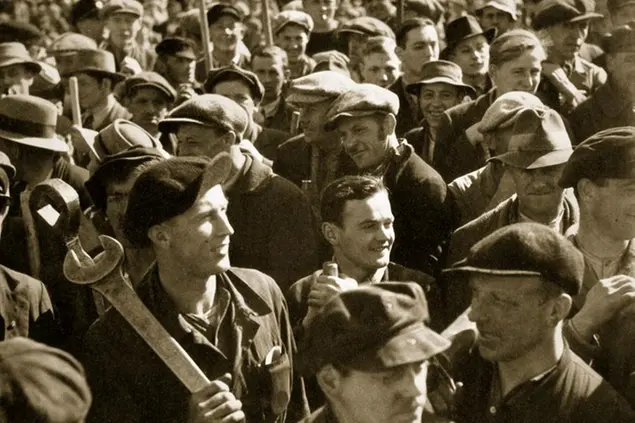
(399, 51)
(561, 308)
(331, 233)
(329, 380)
(230, 138)
(159, 235)
(390, 123)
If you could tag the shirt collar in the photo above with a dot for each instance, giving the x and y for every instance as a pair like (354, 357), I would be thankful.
(270, 109)
(100, 114)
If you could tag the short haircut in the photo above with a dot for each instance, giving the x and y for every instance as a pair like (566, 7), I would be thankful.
(512, 45)
(271, 52)
(348, 188)
(408, 25)
(379, 44)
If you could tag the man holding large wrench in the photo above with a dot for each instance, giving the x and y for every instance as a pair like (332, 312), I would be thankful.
(232, 322)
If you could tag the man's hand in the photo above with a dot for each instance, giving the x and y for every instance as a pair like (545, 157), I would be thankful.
(247, 147)
(325, 287)
(215, 403)
(607, 298)
(130, 66)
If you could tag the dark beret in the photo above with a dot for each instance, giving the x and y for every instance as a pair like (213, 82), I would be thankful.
(526, 249)
(41, 382)
(168, 189)
(208, 110)
(553, 12)
(372, 327)
(96, 185)
(218, 75)
(219, 10)
(607, 154)
(177, 46)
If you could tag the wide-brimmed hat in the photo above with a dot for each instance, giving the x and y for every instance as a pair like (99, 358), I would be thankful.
(30, 121)
(507, 6)
(539, 139)
(463, 28)
(97, 62)
(553, 12)
(441, 71)
(17, 54)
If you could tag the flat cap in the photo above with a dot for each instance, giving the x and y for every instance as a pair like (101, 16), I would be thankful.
(177, 46)
(85, 9)
(318, 86)
(366, 25)
(614, 6)
(371, 328)
(96, 185)
(41, 382)
(216, 76)
(70, 43)
(507, 6)
(510, 44)
(208, 110)
(539, 139)
(292, 17)
(607, 154)
(620, 40)
(552, 12)
(222, 9)
(526, 249)
(362, 100)
(112, 7)
(168, 189)
(504, 110)
(331, 60)
(149, 79)
(441, 71)
(119, 136)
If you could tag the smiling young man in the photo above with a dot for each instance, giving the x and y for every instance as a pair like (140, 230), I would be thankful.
(522, 278)
(364, 118)
(379, 62)
(226, 31)
(292, 29)
(228, 319)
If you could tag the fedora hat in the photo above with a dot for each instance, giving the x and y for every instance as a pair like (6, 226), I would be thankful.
(553, 12)
(441, 71)
(16, 54)
(463, 28)
(31, 121)
(539, 139)
(97, 62)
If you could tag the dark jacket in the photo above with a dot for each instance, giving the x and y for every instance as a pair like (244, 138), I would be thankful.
(266, 140)
(418, 199)
(281, 119)
(606, 108)
(73, 304)
(613, 356)
(25, 308)
(273, 225)
(145, 57)
(422, 142)
(131, 384)
(408, 118)
(117, 111)
(457, 152)
(570, 393)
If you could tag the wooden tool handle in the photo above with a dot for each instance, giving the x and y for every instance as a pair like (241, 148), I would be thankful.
(75, 109)
(329, 268)
(295, 123)
(207, 54)
(266, 23)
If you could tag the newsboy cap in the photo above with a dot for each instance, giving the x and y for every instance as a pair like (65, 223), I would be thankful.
(221, 9)
(366, 25)
(553, 12)
(362, 100)
(539, 139)
(371, 328)
(211, 110)
(176, 46)
(149, 79)
(113, 7)
(44, 383)
(318, 86)
(607, 154)
(216, 76)
(504, 111)
(292, 17)
(526, 249)
(620, 40)
(168, 189)
(507, 6)
(331, 60)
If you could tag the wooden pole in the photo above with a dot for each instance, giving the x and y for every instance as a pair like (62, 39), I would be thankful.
(74, 92)
(207, 54)
(266, 23)
(400, 7)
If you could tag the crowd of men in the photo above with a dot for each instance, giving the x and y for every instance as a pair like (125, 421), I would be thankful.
(330, 211)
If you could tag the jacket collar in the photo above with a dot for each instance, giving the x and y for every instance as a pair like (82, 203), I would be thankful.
(254, 176)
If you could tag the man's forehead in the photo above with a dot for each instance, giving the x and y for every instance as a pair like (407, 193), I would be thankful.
(210, 198)
(505, 283)
(438, 87)
(377, 204)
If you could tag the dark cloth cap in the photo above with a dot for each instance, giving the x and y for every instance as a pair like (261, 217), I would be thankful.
(463, 28)
(366, 25)
(371, 328)
(40, 383)
(552, 12)
(331, 60)
(130, 7)
(22, 32)
(362, 100)
(96, 185)
(526, 249)
(85, 9)
(216, 76)
(149, 79)
(168, 189)
(443, 71)
(620, 40)
(208, 110)
(607, 154)
(292, 17)
(177, 46)
(221, 9)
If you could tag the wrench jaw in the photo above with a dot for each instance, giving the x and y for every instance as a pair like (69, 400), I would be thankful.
(105, 263)
(62, 201)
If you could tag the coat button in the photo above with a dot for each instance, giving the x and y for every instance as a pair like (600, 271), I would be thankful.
(492, 409)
